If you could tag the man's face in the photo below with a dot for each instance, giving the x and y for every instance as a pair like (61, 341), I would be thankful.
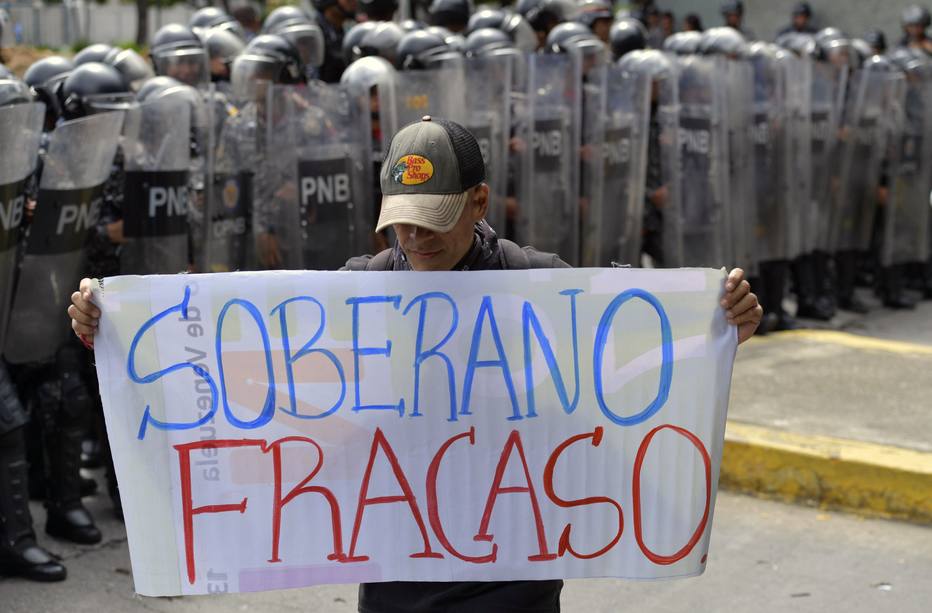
(915, 32)
(427, 250)
(799, 21)
(733, 20)
(601, 29)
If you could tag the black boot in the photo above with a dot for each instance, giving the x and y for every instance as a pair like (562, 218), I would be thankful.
(892, 288)
(20, 555)
(773, 278)
(846, 268)
(62, 415)
(809, 300)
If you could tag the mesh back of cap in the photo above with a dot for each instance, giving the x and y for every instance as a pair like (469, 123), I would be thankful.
(468, 154)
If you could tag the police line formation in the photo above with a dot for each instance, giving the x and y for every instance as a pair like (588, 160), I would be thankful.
(808, 159)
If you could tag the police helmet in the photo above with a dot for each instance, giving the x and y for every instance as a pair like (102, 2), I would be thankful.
(283, 16)
(354, 36)
(270, 58)
(378, 9)
(915, 15)
(411, 25)
(13, 91)
(451, 14)
(421, 49)
(382, 41)
(861, 49)
(513, 24)
(307, 38)
(545, 14)
(732, 7)
(131, 66)
(369, 72)
(683, 43)
(828, 34)
(178, 52)
(91, 87)
(211, 17)
(561, 35)
(154, 87)
(802, 8)
(484, 40)
(651, 62)
(591, 11)
(876, 39)
(723, 41)
(222, 45)
(43, 72)
(627, 35)
(92, 53)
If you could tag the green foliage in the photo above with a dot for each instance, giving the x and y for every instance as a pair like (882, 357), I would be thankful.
(130, 44)
(79, 44)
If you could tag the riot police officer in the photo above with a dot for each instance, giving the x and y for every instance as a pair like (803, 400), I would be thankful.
(916, 20)
(20, 554)
(332, 17)
(177, 52)
(626, 35)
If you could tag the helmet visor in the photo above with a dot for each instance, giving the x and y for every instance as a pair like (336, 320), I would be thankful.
(251, 75)
(188, 65)
(309, 42)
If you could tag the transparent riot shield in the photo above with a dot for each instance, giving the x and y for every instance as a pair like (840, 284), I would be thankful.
(907, 225)
(440, 92)
(20, 131)
(225, 240)
(737, 76)
(79, 159)
(797, 78)
(704, 223)
(828, 85)
(860, 153)
(314, 206)
(614, 153)
(771, 142)
(157, 160)
(548, 126)
(488, 81)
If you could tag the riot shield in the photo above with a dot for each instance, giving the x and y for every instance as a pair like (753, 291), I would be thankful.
(614, 152)
(860, 153)
(907, 226)
(225, 241)
(737, 76)
(488, 81)
(771, 143)
(548, 126)
(314, 207)
(79, 159)
(797, 78)
(704, 223)
(20, 131)
(157, 160)
(827, 90)
(440, 92)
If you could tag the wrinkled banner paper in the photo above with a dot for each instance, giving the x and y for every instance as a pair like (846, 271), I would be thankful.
(282, 429)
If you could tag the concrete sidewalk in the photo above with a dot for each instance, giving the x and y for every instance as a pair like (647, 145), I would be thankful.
(837, 418)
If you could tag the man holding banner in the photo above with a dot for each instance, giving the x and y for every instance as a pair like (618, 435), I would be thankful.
(435, 199)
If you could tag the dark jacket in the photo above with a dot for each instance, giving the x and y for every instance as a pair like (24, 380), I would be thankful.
(488, 252)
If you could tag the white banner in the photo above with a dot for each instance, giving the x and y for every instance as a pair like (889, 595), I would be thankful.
(282, 429)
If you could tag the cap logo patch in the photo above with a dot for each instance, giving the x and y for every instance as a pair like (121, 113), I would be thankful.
(412, 170)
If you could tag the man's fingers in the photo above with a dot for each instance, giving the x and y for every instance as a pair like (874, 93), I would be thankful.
(752, 315)
(83, 305)
(80, 328)
(734, 296)
(734, 279)
(748, 302)
(81, 317)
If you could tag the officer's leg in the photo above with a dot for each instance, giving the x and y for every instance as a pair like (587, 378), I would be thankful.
(809, 299)
(19, 553)
(846, 272)
(63, 402)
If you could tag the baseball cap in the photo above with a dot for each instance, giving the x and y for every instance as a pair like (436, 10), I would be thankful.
(430, 167)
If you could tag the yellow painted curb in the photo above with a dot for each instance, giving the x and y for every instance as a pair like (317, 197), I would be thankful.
(854, 341)
(864, 478)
